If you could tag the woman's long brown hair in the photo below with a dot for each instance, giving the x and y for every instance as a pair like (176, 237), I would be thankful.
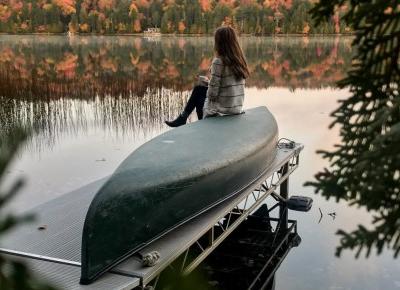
(227, 47)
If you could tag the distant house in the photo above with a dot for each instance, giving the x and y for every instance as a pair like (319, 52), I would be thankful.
(152, 31)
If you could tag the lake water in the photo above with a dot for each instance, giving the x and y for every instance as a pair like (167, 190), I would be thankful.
(92, 100)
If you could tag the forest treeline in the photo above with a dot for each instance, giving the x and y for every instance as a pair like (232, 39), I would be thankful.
(171, 16)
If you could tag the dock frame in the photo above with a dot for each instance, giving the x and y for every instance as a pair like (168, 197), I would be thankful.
(238, 210)
(186, 247)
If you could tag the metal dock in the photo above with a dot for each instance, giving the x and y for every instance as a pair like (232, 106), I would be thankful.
(51, 245)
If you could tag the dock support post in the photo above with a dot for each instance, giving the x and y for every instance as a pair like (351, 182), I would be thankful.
(284, 193)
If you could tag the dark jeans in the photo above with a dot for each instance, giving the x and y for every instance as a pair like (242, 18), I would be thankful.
(196, 101)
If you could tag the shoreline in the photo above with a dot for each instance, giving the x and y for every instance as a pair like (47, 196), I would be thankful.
(180, 35)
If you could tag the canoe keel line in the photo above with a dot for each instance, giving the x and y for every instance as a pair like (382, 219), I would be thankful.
(172, 179)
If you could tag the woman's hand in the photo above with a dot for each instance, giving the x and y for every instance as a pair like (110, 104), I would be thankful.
(203, 80)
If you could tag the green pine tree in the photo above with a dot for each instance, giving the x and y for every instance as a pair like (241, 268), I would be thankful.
(365, 166)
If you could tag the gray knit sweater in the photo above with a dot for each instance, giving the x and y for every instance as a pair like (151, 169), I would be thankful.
(225, 93)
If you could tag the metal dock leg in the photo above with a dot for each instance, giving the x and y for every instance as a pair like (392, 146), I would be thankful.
(284, 193)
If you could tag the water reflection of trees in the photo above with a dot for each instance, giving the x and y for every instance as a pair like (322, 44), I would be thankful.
(131, 84)
(83, 67)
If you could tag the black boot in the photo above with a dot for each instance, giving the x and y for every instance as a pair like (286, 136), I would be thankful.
(179, 121)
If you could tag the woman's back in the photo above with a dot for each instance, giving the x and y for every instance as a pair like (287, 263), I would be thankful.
(225, 92)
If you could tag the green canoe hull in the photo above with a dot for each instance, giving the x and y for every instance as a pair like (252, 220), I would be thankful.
(171, 179)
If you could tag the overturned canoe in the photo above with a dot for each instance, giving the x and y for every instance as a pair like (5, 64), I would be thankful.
(171, 179)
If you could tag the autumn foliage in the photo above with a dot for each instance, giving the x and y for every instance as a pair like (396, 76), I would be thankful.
(171, 16)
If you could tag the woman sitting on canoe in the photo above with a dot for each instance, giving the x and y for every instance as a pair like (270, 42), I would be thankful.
(223, 93)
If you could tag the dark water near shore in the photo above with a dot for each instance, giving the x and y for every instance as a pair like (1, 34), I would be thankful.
(93, 100)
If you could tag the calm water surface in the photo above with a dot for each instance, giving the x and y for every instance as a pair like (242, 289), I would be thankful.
(92, 100)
